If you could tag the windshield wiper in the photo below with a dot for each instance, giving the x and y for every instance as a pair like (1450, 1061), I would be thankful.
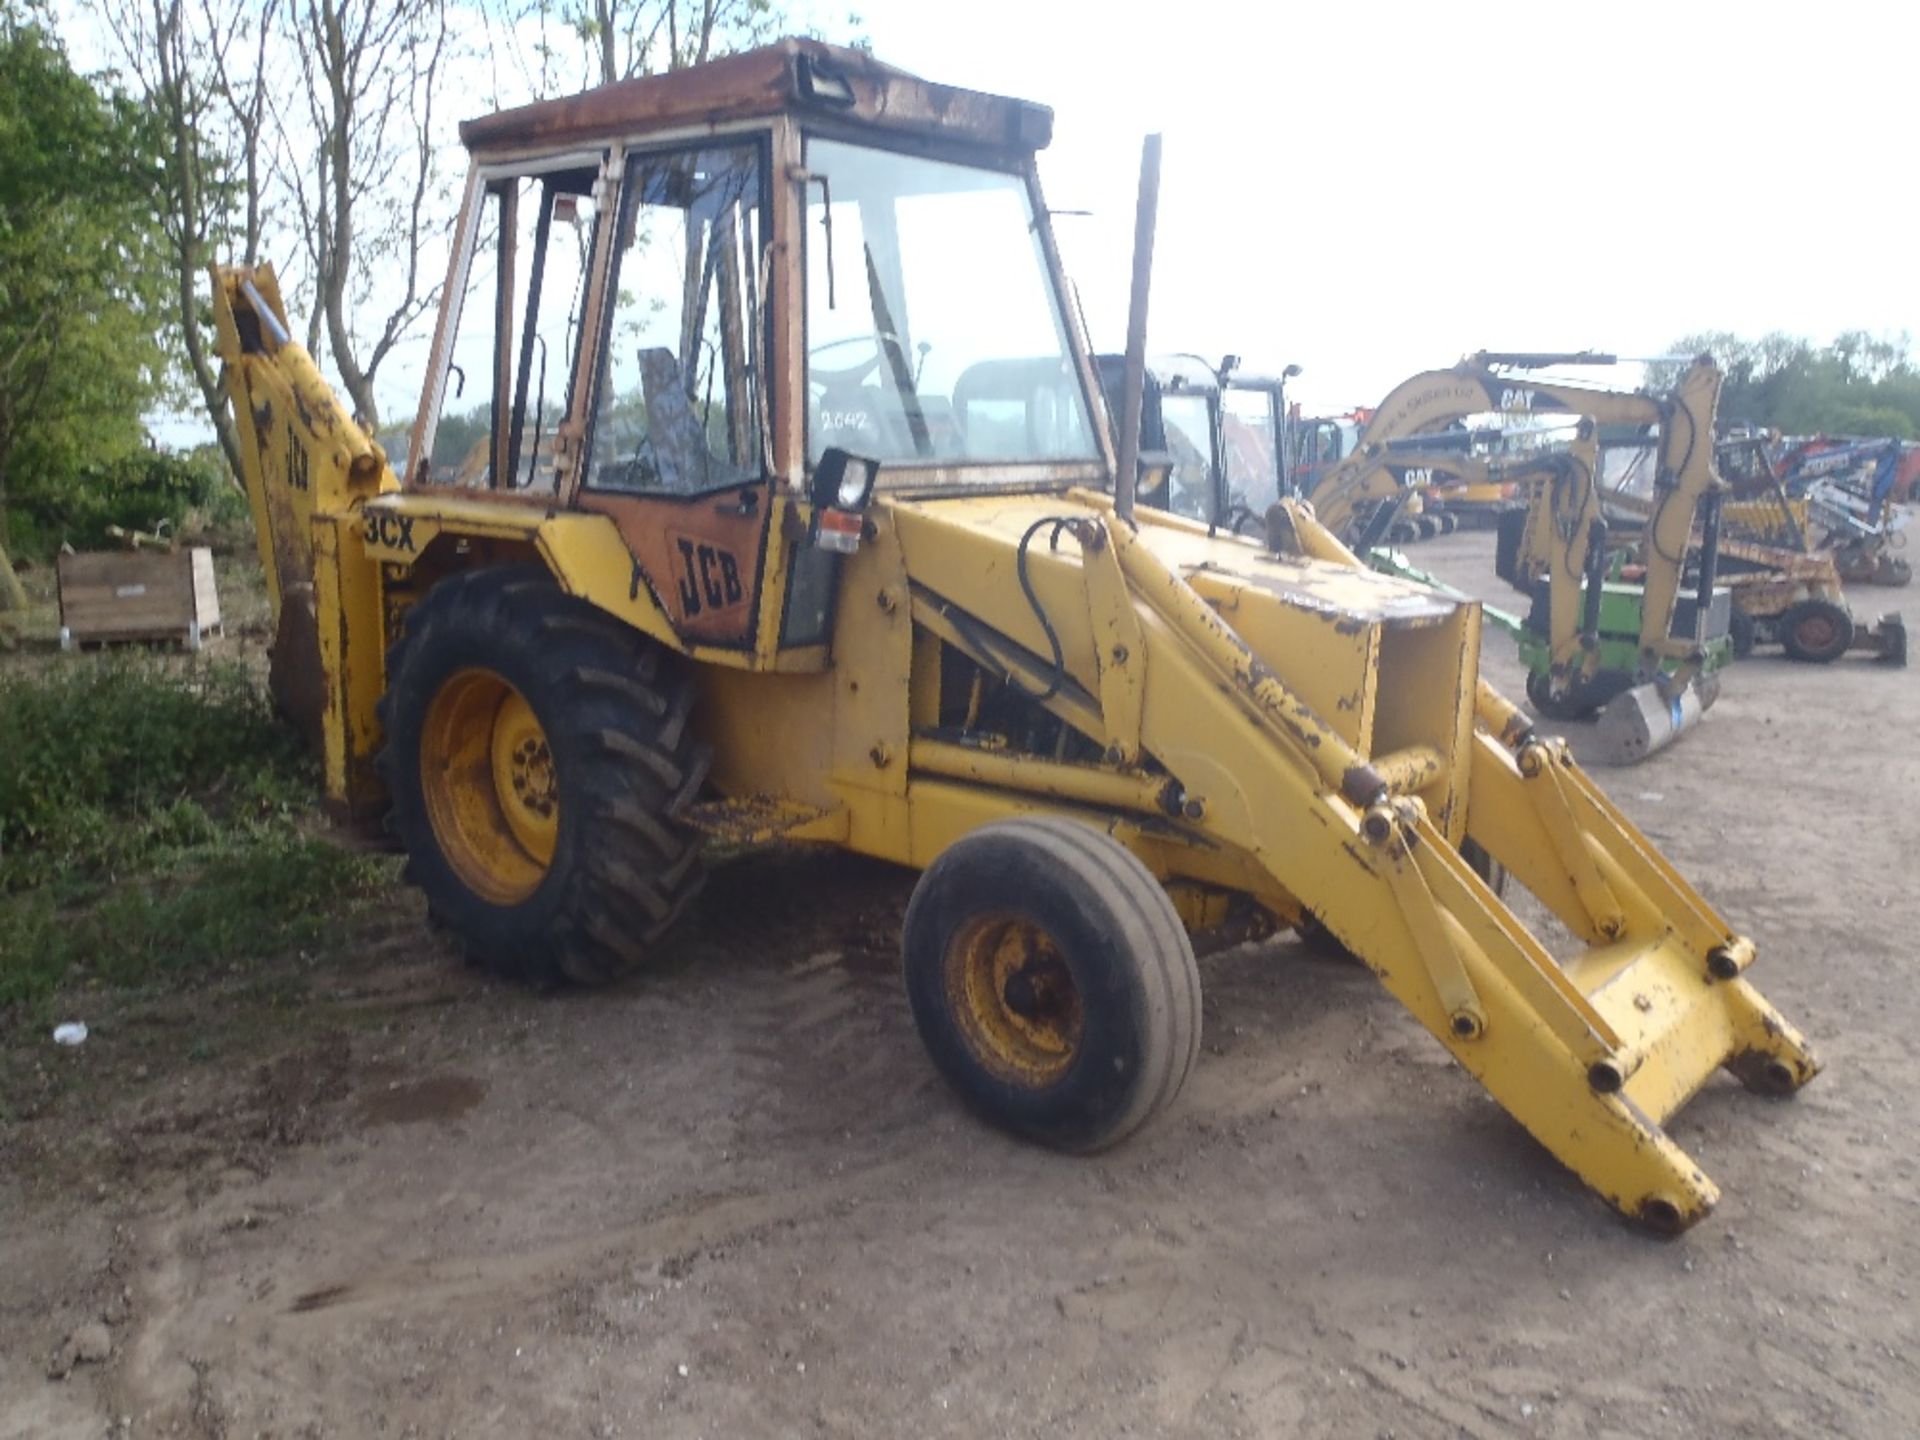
(904, 379)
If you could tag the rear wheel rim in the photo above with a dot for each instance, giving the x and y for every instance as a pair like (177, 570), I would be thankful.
(487, 776)
(1015, 1000)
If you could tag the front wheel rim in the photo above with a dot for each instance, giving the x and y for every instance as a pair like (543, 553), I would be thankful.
(487, 777)
(1018, 1008)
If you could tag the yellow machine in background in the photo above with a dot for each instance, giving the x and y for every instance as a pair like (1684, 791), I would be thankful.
(1636, 664)
(1786, 591)
(803, 529)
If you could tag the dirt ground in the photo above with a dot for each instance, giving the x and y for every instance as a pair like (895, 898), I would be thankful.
(734, 1200)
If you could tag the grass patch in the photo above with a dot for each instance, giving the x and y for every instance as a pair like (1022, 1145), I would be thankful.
(155, 820)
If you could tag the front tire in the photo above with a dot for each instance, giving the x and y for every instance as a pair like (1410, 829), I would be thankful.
(537, 755)
(1052, 982)
(1816, 632)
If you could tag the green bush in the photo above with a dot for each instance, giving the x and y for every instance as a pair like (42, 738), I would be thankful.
(280, 891)
(155, 819)
(107, 759)
(145, 491)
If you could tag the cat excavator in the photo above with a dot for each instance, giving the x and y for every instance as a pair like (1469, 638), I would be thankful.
(801, 522)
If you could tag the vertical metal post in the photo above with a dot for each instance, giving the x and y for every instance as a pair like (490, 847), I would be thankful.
(1134, 380)
(1709, 564)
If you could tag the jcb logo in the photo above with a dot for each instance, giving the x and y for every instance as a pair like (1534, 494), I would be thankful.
(709, 578)
(296, 462)
(395, 532)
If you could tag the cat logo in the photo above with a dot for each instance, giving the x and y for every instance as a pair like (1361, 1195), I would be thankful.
(1417, 477)
(709, 577)
(1513, 398)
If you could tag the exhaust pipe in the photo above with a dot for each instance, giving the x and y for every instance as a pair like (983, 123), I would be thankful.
(1134, 380)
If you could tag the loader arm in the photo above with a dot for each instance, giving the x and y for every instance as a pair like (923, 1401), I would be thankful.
(1336, 773)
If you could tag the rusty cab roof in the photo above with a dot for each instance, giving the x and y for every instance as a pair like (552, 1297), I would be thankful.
(788, 75)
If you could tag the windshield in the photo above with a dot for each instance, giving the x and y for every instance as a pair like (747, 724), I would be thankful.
(934, 333)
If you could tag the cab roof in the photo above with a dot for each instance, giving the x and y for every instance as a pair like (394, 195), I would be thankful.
(788, 75)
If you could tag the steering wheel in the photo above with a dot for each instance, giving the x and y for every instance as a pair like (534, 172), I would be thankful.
(854, 374)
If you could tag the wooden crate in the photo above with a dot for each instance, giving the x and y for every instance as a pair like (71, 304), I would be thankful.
(114, 595)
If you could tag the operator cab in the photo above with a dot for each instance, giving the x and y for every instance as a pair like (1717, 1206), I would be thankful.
(1180, 417)
(1221, 441)
(672, 297)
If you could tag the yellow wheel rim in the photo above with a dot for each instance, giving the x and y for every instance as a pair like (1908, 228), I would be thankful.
(1014, 998)
(487, 774)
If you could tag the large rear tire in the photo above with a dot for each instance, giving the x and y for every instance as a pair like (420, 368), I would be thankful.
(537, 755)
(1052, 982)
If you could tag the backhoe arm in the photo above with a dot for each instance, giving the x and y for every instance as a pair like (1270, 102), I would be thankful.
(307, 467)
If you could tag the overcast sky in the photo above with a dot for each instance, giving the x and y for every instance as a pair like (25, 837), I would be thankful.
(1369, 189)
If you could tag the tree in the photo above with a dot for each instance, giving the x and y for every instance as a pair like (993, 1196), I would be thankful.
(559, 46)
(82, 265)
(318, 127)
(1858, 385)
(369, 197)
(202, 71)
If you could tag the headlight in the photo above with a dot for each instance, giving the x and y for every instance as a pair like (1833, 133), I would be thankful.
(856, 483)
(841, 481)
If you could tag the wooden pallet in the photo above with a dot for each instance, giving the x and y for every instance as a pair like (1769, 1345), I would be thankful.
(114, 596)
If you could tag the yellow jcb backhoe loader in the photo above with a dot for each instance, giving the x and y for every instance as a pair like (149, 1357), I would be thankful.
(799, 523)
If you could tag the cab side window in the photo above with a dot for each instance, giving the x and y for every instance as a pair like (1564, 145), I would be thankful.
(521, 316)
(676, 402)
